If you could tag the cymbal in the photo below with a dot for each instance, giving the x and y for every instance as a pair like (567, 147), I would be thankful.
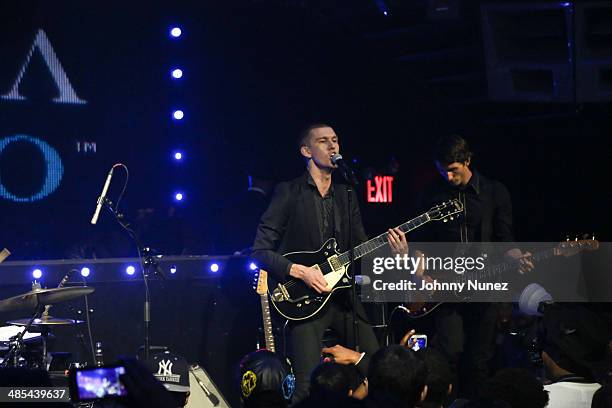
(45, 321)
(30, 300)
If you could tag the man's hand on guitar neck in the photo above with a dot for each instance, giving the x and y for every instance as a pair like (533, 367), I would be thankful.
(524, 261)
(397, 241)
(311, 276)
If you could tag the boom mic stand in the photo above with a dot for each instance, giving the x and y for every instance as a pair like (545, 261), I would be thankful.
(147, 263)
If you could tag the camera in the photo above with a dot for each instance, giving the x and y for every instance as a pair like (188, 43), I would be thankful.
(97, 383)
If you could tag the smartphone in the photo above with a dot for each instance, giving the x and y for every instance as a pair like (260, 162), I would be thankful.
(96, 383)
(420, 341)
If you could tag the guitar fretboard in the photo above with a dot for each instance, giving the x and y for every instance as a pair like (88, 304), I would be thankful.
(267, 322)
(381, 240)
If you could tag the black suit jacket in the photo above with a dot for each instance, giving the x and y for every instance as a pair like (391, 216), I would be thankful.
(290, 224)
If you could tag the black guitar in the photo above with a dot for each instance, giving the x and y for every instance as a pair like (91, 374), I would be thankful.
(294, 300)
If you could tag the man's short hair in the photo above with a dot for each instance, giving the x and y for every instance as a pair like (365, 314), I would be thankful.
(305, 134)
(451, 149)
(396, 373)
(518, 387)
(332, 377)
(439, 376)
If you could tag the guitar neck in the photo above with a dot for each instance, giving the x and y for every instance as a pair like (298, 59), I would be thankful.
(498, 270)
(267, 322)
(383, 239)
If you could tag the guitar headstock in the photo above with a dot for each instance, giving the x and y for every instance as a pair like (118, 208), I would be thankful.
(261, 282)
(445, 211)
(572, 247)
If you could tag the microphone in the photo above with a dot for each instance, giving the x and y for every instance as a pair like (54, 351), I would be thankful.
(102, 197)
(337, 159)
(362, 280)
(534, 300)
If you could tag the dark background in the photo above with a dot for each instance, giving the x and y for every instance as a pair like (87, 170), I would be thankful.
(528, 84)
(258, 71)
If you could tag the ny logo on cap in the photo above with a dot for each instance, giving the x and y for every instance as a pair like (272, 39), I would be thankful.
(165, 367)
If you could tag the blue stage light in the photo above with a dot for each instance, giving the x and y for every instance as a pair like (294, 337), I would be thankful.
(176, 32)
(130, 270)
(173, 269)
(179, 196)
(37, 273)
(177, 73)
(85, 272)
(214, 267)
(178, 114)
(178, 156)
(252, 266)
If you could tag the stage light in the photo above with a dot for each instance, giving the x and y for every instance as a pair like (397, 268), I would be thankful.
(179, 196)
(85, 272)
(252, 266)
(214, 267)
(178, 114)
(177, 73)
(176, 32)
(173, 269)
(385, 13)
(178, 156)
(37, 273)
(130, 270)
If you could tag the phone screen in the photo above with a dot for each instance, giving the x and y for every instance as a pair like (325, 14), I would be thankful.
(99, 383)
(419, 343)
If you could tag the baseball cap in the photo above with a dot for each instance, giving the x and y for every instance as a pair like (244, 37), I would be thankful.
(171, 370)
(262, 371)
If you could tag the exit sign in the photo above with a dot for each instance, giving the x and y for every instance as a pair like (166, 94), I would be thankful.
(380, 190)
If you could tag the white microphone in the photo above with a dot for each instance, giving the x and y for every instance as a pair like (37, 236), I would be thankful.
(102, 197)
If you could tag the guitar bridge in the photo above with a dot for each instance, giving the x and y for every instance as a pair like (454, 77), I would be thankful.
(280, 294)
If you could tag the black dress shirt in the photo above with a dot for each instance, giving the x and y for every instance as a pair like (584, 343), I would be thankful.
(486, 217)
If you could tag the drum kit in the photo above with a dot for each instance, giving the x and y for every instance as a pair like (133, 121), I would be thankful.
(24, 342)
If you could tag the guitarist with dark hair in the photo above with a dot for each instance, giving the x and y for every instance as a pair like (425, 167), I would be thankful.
(486, 217)
(303, 215)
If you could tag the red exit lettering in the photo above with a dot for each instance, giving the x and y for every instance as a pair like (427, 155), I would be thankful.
(380, 190)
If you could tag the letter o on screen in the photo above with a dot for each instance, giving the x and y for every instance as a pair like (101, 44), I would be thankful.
(53, 173)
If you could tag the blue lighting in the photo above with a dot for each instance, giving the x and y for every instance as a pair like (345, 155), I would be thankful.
(385, 13)
(176, 32)
(130, 270)
(214, 267)
(179, 196)
(37, 273)
(173, 269)
(177, 73)
(252, 266)
(178, 156)
(178, 114)
(85, 272)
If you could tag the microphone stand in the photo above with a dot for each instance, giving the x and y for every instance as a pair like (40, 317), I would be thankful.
(351, 182)
(147, 262)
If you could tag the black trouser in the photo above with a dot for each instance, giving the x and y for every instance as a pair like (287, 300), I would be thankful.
(467, 331)
(305, 342)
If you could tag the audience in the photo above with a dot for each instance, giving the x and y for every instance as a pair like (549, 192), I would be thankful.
(396, 378)
(439, 379)
(518, 387)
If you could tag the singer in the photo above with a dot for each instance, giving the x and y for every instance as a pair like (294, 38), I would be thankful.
(302, 215)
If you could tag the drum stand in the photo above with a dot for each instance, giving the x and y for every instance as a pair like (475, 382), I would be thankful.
(16, 342)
